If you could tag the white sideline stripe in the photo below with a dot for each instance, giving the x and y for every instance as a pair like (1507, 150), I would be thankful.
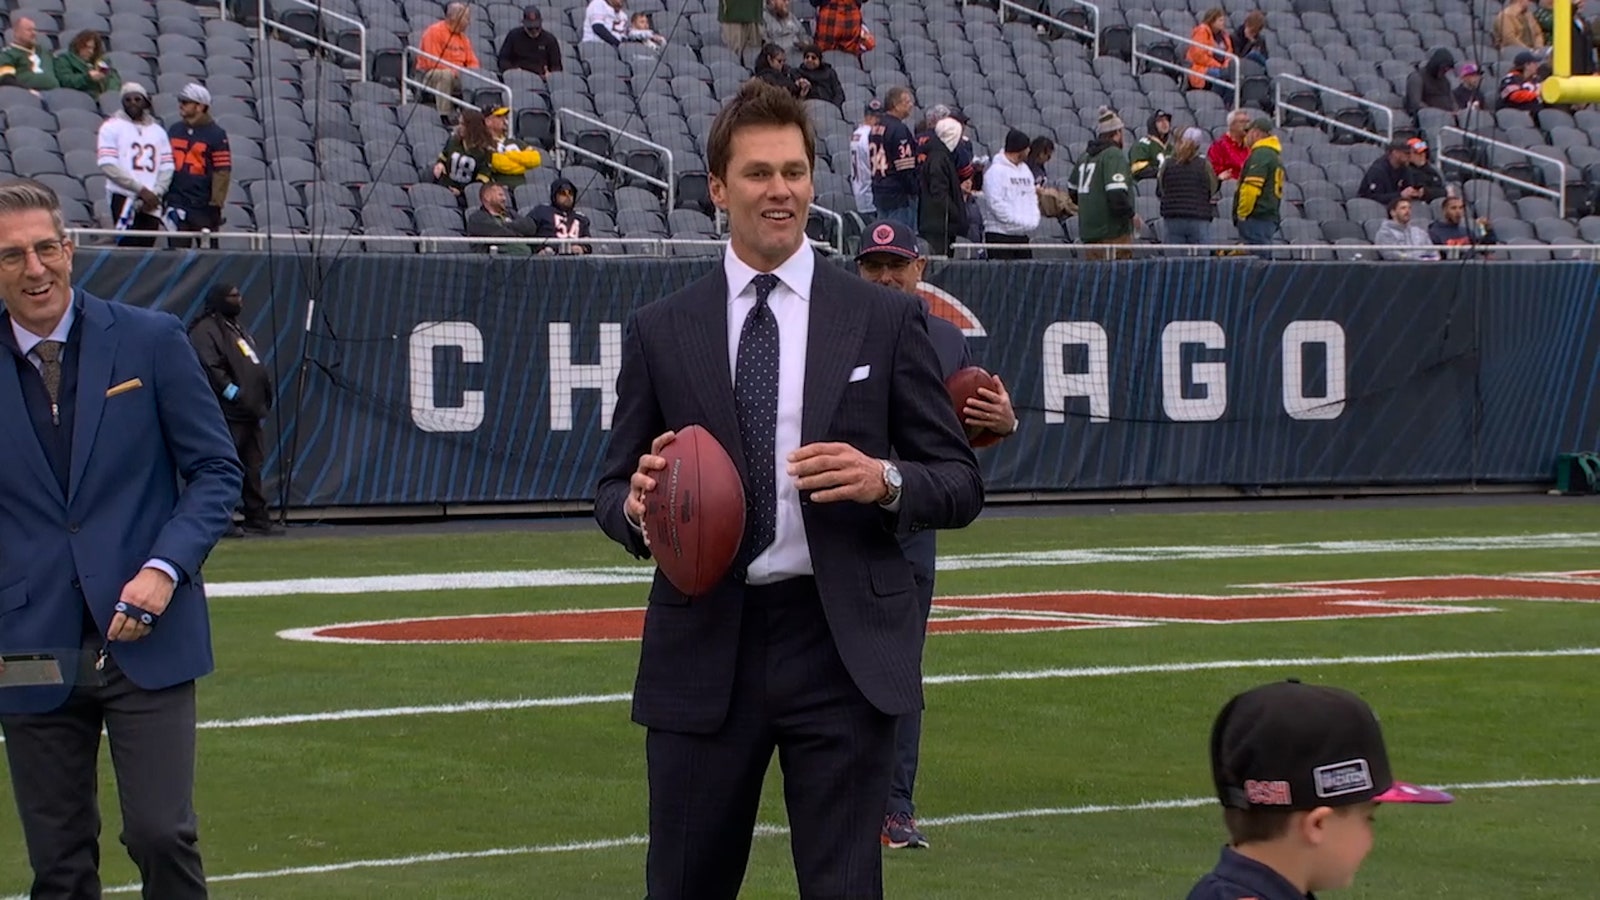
(765, 830)
(1085, 672)
(604, 575)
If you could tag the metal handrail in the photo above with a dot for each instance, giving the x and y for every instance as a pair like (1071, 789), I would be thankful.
(359, 55)
(407, 82)
(1289, 81)
(1232, 60)
(838, 225)
(1558, 194)
(1092, 35)
(563, 146)
(258, 241)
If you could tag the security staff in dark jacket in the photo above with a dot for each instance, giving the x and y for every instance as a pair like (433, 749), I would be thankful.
(244, 387)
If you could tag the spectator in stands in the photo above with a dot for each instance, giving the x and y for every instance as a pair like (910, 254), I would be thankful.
(894, 159)
(136, 157)
(244, 388)
(605, 21)
(1515, 26)
(467, 155)
(741, 25)
(530, 47)
(1187, 186)
(1397, 231)
(1429, 86)
(447, 40)
(824, 79)
(1520, 88)
(84, 66)
(1228, 153)
(861, 158)
(839, 27)
(1422, 174)
(26, 61)
(1469, 93)
(942, 215)
(773, 68)
(202, 164)
(1102, 186)
(562, 220)
(640, 31)
(1011, 203)
(493, 218)
(1250, 40)
(1150, 151)
(1459, 234)
(1582, 35)
(1257, 207)
(1053, 201)
(782, 27)
(511, 159)
(1389, 176)
(1212, 36)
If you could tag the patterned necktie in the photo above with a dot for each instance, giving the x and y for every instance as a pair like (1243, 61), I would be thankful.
(755, 394)
(49, 353)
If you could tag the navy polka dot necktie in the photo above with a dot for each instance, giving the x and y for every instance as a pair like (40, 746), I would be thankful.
(755, 395)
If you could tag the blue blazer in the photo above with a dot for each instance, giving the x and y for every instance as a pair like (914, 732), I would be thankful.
(124, 506)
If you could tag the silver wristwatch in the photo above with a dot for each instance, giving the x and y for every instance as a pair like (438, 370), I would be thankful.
(891, 480)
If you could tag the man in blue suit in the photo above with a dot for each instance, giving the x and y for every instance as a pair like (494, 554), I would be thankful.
(893, 256)
(103, 618)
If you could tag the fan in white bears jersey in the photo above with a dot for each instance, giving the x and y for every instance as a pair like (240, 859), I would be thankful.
(136, 157)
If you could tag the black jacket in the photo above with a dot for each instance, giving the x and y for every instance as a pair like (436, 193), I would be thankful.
(1429, 86)
(521, 50)
(1383, 182)
(482, 223)
(1427, 177)
(1185, 189)
(229, 354)
(824, 83)
(943, 209)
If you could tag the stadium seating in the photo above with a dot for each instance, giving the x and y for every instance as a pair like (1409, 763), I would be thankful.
(316, 147)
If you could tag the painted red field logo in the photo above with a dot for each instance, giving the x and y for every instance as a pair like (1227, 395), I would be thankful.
(1017, 613)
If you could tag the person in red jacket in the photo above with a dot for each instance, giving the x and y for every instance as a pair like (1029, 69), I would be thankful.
(1228, 153)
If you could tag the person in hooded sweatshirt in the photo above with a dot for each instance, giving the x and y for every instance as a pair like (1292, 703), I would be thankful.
(1011, 202)
(561, 219)
(1150, 152)
(1429, 86)
(943, 207)
(823, 77)
(243, 386)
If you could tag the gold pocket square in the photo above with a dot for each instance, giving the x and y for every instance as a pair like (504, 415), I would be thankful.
(132, 384)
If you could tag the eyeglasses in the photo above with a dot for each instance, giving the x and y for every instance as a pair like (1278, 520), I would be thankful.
(49, 252)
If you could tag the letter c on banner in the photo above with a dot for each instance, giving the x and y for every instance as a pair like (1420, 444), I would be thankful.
(1331, 336)
(427, 415)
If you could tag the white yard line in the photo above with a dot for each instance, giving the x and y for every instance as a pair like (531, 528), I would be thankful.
(604, 575)
(637, 840)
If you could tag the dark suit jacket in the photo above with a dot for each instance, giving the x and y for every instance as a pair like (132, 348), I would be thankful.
(675, 373)
(950, 345)
(124, 504)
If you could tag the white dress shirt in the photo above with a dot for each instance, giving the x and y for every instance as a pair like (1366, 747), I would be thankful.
(789, 555)
(26, 341)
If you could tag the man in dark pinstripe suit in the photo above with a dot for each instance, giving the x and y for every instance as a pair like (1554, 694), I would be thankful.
(811, 379)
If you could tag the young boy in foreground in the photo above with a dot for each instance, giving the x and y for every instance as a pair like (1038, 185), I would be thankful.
(1300, 769)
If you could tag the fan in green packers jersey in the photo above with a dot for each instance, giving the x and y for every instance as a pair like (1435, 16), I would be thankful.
(465, 157)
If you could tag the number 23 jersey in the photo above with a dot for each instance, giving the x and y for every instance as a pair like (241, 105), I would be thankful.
(139, 149)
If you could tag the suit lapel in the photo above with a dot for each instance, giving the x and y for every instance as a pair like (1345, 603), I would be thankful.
(14, 409)
(97, 353)
(705, 331)
(836, 327)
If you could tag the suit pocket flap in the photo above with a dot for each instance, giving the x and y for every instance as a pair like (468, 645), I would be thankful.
(13, 597)
(890, 576)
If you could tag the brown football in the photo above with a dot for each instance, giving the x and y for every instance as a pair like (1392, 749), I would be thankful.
(963, 386)
(695, 515)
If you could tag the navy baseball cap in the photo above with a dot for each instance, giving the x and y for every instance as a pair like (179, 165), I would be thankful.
(1295, 746)
(893, 238)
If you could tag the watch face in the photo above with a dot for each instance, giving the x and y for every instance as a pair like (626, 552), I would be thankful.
(892, 475)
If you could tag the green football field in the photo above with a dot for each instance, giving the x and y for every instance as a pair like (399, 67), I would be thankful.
(1076, 665)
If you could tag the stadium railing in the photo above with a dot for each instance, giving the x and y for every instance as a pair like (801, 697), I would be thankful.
(1153, 36)
(565, 146)
(1557, 193)
(1092, 32)
(1286, 86)
(409, 82)
(358, 55)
